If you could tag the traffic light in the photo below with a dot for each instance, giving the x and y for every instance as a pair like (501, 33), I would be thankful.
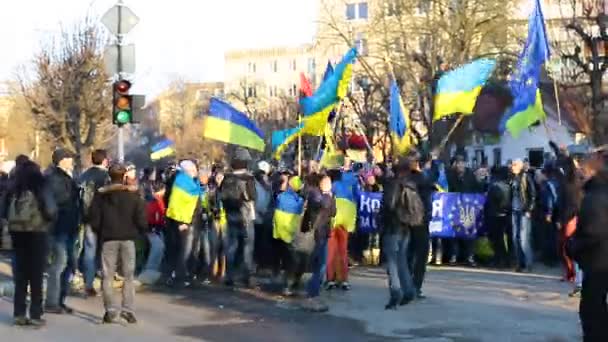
(122, 106)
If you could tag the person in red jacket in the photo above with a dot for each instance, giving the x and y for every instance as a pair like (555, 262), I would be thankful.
(155, 212)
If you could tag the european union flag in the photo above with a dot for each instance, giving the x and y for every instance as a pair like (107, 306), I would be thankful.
(527, 106)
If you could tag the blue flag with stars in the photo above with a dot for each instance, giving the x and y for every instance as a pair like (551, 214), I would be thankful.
(527, 106)
(457, 215)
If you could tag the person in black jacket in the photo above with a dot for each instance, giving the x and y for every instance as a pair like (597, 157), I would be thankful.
(523, 200)
(497, 212)
(590, 250)
(238, 194)
(319, 213)
(420, 236)
(396, 233)
(90, 182)
(63, 234)
(118, 216)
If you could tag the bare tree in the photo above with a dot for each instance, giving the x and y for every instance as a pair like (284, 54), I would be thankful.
(68, 94)
(586, 61)
(420, 39)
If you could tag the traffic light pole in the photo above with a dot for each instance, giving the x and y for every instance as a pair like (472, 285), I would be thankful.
(121, 130)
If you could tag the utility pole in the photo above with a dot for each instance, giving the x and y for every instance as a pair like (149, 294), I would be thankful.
(120, 58)
(121, 129)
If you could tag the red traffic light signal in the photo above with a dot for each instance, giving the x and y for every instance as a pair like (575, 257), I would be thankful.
(122, 87)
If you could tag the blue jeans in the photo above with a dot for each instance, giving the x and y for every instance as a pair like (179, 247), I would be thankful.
(522, 234)
(188, 252)
(243, 237)
(209, 249)
(400, 282)
(63, 262)
(89, 260)
(157, 251)
(318, 262)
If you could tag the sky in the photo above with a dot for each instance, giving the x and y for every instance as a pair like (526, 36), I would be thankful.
(174, 38)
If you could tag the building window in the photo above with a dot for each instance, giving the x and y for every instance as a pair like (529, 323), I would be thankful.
(362, 10)
(392, 8)
(293, 90)
(251, 67)
(293, 65)
(251, 91)
(361, 44)
(424, 6)
(497, 154)
(274, 66)
(351, 11)
(357, 11)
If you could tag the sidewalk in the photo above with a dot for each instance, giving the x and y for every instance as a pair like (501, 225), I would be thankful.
(464, 305)
(6, 277)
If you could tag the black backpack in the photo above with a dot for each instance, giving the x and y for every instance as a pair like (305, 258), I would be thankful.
(233, 193)
(410, 209)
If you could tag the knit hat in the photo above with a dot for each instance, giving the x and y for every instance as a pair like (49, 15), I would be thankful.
(242, 155)
(295, 183)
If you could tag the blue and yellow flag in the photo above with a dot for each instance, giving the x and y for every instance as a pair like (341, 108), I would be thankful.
(317, 108)
(527, 106)
(281, 140)
(185, 194)
(226, 124)
(457, 90)
(162, 150)
(287, 215)
(399, 121)
(346, 205)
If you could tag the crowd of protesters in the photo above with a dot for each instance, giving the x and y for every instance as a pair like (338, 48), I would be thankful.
(189, 225)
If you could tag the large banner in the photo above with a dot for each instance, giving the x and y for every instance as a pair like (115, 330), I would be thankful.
(369, 208)
(457, 215)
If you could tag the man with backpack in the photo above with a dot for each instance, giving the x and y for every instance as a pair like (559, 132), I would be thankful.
(90, 182)
(402, 209)
(237, 194)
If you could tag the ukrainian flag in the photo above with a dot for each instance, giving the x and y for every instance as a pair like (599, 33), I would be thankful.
(322, 102)
(457, 90)
(281, 139)
(287, 215)
(185, 196)
(162, 150)
(226, 124)
(346, 204)
(399, 121)
(527, 106)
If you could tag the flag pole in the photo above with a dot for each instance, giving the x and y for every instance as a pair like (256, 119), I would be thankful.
(299, 146)
(452, 130)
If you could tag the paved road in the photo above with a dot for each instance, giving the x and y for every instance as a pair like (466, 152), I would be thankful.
(463, 306)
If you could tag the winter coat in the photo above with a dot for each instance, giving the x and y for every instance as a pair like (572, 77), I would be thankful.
(590, 244)
(320, 211)
(66, 194)
(425, 186)
(498, 201)
(246, 213)
(527, 191)
(549, 199)
(96, 174)
(392, 204)
(463, 183)
(118, 213)
(262, 201)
